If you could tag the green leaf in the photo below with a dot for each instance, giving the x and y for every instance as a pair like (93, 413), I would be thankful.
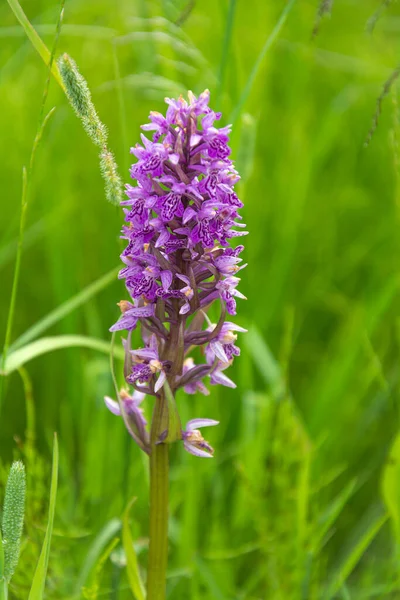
(265, 361)
(354, 556)
(1, 561)
(391, 486)
(65, 309)
(36, 41)
(39, 579)
(328, 518)
(49, 344)
(209, 580)
(95, 551)
(132, 566)
(253, 74)
(170, 420)
(92, 592)
(246, 152)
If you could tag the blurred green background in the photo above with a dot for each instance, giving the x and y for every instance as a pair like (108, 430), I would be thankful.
(302, 500)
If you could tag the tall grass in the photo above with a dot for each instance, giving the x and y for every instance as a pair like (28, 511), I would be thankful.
(301, 500)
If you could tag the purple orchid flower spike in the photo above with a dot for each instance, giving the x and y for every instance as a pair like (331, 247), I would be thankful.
(180, 218)
(194, 441)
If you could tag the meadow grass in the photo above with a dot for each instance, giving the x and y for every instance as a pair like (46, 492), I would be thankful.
(302, 500)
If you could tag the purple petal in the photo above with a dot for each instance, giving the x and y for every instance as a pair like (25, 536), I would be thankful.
(188, 214)
(160, 381)
(218, 377)
(196, 451)
(185, 309)
(183, 278)
(163, 238)
(138, 397)
(219, 351)
(125, 322)
(228, 326)
(141, 311)
(166, 279)
(145, 354)
(112, 406)
(196, 423)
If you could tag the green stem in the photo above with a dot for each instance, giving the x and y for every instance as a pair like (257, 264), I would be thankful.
(158, 549)
(3, 590)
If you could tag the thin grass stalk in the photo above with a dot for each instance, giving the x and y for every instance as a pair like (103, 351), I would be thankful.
(3, 582)
(121, 106)
(30, 432)
(26, 175)
(225, 51)
(253, 74)
(159, 470)
(17, 268)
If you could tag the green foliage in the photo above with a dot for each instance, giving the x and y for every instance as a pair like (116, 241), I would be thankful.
(39, 578)
(37, 43)
(44, 345)
(91, 592)
(391, 486)
(132, 567)
(13, 517)
(291, 507)
(96, 551)
(169, 422)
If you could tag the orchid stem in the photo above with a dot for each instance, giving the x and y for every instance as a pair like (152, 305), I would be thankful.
(158, 548)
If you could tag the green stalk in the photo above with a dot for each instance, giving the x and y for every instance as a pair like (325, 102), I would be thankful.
(26, 174)
(3, 582)
(158, 549)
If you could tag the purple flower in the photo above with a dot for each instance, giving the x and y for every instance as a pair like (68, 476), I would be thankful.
(194, 441)
(147, 364)
(223, 346)
(180, 219)
(196, 384)
(129, 408)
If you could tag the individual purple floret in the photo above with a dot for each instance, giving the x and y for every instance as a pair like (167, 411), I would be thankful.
(129, 408)
(194, 441)
(180, 218)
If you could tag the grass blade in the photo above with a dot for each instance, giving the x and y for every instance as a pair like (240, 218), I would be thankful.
(264, 360)
(36, 41)
(92, 591)
(39, 578)
(354, 556)
(268, 43)
(328, 518)
(26, 176)
(225, 50)
(49, 344)
(390, 485)
(11, 310)
(132, 566)
(102, 539)
(64, 309)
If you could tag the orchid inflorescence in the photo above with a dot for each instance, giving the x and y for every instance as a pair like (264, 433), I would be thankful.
(180, 219)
